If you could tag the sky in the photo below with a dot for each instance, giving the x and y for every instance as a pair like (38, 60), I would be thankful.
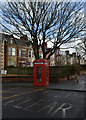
(49, 45)
(45, 0)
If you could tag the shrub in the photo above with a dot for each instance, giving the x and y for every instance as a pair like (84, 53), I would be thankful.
(54, 71)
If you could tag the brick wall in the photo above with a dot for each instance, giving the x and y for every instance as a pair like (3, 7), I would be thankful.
(28, 79)
(17, 79)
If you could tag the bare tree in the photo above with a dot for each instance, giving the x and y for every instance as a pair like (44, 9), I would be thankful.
(81, 48)
(81, 45)
(53, 22)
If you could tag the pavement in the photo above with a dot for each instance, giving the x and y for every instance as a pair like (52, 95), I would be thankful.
(69, 85)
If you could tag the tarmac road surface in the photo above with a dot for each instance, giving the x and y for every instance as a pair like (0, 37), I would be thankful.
(60, 100)
(24, 102)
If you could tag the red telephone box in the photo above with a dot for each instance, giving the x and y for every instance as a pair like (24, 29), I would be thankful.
(41, 72)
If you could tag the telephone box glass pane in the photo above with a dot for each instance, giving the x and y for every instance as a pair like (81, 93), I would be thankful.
(46, 73)
(38, 74)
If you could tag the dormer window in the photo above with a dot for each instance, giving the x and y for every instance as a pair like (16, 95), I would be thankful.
(30, 46)
(11, 41)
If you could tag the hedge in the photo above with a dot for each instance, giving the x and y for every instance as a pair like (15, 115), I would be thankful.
(55, 71)
(19, 70)
(64, 71)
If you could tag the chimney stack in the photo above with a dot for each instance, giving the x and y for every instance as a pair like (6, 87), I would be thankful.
(45, 44)
(24, 38)
(58, 48)
(74, 54)
(67, 52)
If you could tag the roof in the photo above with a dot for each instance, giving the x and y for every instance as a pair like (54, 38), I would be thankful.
(21, 42)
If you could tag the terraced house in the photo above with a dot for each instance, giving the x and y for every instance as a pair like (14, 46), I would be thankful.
(63, 58)
(17, 52)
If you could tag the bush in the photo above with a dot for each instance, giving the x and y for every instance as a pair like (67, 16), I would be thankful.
(20, 70)
(55, 71)
(64, 71)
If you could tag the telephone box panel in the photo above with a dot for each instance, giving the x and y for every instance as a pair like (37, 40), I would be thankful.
(41, 72)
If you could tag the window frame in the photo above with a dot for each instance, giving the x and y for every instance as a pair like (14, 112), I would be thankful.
(9, 50)
(19, 52)
(13, 51)
(9, 62)
(24, 55)
(13, 63)
(29, 54)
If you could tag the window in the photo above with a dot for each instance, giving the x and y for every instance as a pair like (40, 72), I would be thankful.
(5, 39)
(20, 64)
(13, 51)
(24, 53)
(47, 73)
(32, 54)
(29, 53)
(9, 63)
(14, 63)
(19, 53)
(30, 46)
(0, 37)
(9, 51)
(38, 74)
(23, 64)
(11, 41)
(40, 55)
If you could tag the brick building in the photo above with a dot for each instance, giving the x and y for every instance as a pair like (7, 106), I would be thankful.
(16, 52)
(65, 58)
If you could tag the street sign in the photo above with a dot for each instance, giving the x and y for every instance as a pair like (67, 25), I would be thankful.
(28, 63)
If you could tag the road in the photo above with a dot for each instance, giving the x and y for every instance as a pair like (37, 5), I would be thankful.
(27, 102)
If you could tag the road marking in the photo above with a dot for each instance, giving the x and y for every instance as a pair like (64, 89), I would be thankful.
(4, 98)
(8, 102)
(11, 101)
(23, 93)
(67, 95)
(24, 101)
(55, 96)
(2, 91)
(11, 91)
(19, 107)
(51, 106)
(13, 88)
(63, 109)
(58, 95)
(7, 91)
(74, 94)
(33, 104)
